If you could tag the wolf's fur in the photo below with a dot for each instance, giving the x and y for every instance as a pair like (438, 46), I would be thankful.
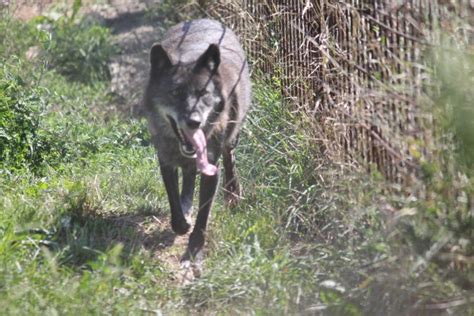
(198, 72)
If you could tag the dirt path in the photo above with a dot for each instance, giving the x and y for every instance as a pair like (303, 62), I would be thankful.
(153, 233)
(135, 30)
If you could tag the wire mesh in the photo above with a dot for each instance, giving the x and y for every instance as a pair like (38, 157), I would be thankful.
(354, 67)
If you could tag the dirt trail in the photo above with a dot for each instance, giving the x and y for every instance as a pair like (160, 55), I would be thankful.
(134, 29)
(153, 233)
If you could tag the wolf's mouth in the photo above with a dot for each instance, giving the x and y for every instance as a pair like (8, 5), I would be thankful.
(187, 149)
(194, 145)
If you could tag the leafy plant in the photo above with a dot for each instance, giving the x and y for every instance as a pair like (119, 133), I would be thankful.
(78, 48)
(23, 141)
(16, 36)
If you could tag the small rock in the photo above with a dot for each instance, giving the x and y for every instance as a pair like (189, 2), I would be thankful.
(332, 285)
(32, 53)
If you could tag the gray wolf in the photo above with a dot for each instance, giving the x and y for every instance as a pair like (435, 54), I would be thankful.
(195, 102)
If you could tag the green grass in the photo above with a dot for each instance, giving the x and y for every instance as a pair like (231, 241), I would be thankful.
(78, 233)
(62, 244)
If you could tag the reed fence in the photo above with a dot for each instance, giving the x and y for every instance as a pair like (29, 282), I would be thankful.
(355, 67)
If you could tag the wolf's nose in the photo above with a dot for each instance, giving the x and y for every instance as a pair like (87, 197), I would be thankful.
(193, 122)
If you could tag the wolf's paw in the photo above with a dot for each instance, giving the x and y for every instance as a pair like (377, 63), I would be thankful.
(196, 244)
(180, 227)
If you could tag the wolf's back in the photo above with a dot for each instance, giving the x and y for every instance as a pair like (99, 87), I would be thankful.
(186, 41)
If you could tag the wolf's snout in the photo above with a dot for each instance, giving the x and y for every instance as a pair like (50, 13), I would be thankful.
(193, 121)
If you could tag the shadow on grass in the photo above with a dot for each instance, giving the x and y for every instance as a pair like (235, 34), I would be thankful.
(80, 239)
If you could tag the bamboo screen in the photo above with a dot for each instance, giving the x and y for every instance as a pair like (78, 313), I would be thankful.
(354, 67)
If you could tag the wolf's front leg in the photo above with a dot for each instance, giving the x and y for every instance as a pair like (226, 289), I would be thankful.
(170, 178)
(189, 179)
(208, 188)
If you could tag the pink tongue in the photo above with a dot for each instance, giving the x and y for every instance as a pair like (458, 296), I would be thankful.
(198, 139)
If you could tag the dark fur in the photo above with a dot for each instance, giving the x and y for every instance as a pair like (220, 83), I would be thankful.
(198, 70)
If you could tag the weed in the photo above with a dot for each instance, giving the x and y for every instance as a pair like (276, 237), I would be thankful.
(76, 47)
(16, 36)
(24, 141)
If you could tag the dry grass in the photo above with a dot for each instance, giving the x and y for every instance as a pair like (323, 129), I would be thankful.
(358, 70)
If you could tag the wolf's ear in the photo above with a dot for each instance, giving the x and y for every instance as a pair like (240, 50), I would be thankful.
(210, 59)
(159, 59)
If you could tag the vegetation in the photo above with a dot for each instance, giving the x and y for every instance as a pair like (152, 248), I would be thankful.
(83, 220)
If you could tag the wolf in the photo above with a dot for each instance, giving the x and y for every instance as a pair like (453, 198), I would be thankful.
(195, 102)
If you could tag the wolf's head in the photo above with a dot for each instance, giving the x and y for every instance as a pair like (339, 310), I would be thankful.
(186, 95)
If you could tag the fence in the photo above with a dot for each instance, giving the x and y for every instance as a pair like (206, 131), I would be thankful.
(354, 67)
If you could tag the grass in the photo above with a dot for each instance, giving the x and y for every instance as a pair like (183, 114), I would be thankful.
(61, 235)
(82, 229)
